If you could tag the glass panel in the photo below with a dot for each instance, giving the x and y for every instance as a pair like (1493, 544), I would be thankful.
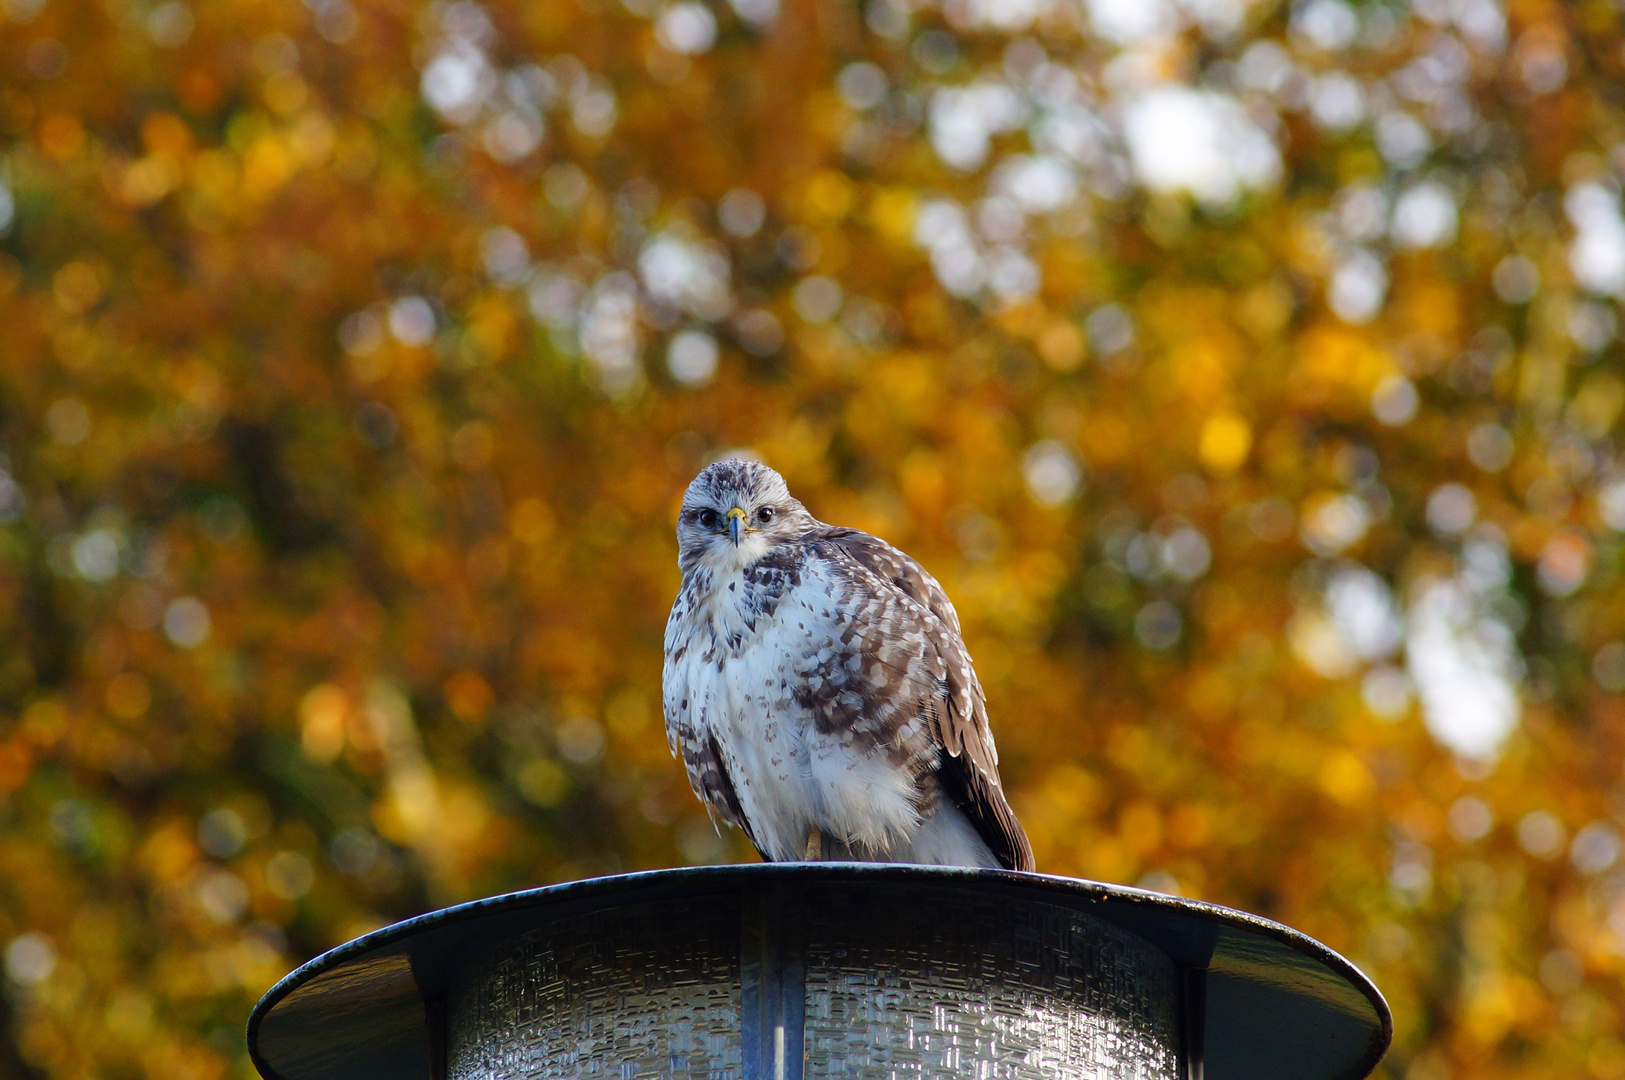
(644, 991)
(985, 989)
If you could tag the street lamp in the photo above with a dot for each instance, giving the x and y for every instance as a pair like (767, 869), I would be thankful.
(801, 971)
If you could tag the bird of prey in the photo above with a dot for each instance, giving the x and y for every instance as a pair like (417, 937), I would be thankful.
(819, 692)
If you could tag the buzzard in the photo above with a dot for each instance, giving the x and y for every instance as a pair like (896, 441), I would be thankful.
(819, 692)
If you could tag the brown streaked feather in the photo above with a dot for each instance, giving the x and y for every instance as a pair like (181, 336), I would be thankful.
(720, 791)
(920, 615)
(708, 775)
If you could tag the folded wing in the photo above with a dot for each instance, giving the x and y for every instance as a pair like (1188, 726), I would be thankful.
(911, 620)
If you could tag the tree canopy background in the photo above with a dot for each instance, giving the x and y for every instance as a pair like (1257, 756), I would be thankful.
(1248, 373)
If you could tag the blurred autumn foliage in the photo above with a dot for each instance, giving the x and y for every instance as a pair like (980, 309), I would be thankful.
(1248, 373)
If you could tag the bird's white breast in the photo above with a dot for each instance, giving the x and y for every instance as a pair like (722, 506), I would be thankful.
(744, 679)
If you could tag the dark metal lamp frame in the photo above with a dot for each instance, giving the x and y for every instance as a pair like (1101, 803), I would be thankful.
(1256, 1000)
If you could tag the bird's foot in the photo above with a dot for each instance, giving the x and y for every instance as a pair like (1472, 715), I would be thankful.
(815, 844)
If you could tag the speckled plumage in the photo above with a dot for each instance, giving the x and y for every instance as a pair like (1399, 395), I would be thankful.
(816, 680)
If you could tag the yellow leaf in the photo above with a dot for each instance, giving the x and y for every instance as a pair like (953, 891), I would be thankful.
(1226, 439)
(1345, 778)
(829, 195)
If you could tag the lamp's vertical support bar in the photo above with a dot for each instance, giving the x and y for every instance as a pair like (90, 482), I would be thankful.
(434, 1020)
(773, 994)
(792, 986)
(1192, 1023)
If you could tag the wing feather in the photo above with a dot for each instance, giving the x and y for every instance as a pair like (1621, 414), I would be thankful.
(915, 613)
(688, 734)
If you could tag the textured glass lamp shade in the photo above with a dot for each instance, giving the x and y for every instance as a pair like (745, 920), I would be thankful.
(827, 970)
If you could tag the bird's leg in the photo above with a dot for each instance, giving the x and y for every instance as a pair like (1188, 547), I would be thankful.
(815, 844)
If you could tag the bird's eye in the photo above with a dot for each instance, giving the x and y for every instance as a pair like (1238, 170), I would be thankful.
(765, 514)
(708, 518)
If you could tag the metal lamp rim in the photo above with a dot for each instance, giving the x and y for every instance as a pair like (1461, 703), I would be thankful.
(627, 887)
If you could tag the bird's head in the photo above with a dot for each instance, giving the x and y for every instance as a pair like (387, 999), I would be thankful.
(735, 512)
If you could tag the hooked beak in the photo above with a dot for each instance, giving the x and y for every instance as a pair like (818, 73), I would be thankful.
(736, 525)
